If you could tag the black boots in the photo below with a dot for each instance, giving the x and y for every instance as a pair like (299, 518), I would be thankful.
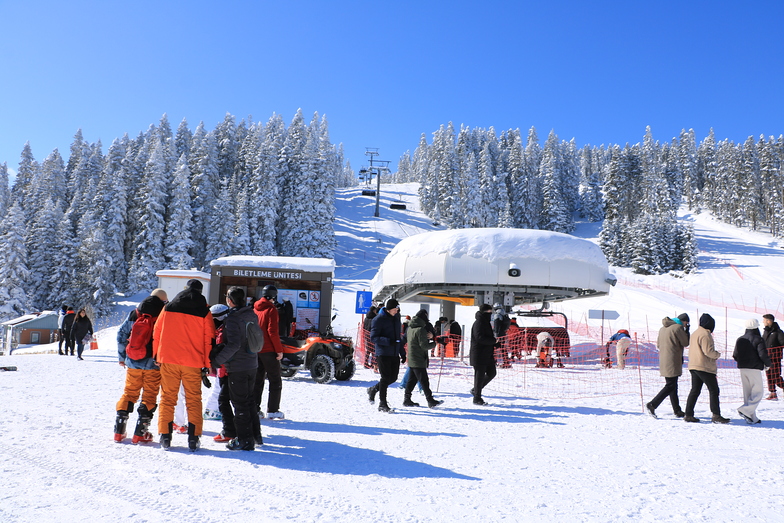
(193, 439)
(167, 438)
(407, 401)
(120, 425)
(432, 402)
(142, 432)
(372, 393)
(241, 444)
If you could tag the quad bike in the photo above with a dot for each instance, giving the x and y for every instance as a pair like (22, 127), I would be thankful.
(327, 356)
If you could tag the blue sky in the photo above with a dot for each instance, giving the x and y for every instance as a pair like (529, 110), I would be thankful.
(385, 72)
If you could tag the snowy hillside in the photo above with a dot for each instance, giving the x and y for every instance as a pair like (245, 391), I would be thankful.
(525, 457)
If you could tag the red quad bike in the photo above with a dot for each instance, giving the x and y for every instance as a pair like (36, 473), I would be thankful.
(327, 356)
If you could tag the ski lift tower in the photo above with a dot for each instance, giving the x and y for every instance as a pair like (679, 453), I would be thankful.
(377, 170)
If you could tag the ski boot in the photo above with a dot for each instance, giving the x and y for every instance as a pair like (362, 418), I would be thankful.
(193, 439)
(142, 432)
(166, 439)
(120, 425)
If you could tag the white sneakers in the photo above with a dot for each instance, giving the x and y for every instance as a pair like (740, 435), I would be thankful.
(275, 415)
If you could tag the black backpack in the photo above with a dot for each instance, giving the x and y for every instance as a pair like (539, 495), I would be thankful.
(255, 336)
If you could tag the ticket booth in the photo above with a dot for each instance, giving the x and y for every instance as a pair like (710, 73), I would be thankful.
(305, 282)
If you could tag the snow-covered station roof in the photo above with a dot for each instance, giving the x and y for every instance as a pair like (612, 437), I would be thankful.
(463, 263)
(278, 262)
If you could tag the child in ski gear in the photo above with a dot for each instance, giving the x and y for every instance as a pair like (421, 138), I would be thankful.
(241, 365)
(482, 356)
(386, 333)
(752, 357)
(270, 356)
(81, 332)
(142, 375)
(774, 341)
(181, 344)
(673, 337)
(420, 341)
(703, 368)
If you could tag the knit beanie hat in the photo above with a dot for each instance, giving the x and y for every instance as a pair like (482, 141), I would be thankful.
(752, 324)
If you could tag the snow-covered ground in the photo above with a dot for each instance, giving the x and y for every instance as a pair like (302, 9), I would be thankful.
(336, 458)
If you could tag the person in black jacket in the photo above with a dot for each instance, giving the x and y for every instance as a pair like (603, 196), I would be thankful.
(386, 333)
(752, 356)
(370, 353)
(82, 327)
(68, 321)
(774, 341)
(482, 357)
(241, 365)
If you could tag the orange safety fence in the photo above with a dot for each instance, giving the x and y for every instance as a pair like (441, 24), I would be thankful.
(573, 370)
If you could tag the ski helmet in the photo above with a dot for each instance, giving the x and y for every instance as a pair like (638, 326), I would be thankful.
(270, 292)
(219, 311)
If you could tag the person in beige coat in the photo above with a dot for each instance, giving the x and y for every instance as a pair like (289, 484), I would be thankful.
(673, 338)
(702, 367)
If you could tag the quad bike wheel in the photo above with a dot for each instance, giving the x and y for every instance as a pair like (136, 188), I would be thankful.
(347, 372)
(323, 369)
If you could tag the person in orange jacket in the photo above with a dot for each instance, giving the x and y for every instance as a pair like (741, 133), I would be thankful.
(181, 345)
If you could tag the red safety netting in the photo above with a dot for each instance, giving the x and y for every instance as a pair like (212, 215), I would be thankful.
(576, 367)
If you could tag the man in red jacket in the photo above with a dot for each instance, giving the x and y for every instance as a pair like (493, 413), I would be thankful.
(181, 344)
(271, 354)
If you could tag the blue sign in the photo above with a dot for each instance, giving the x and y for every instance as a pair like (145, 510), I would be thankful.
(364, 301)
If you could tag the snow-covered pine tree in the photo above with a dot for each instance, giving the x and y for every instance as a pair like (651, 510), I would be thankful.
(5, 195)
(532, 207)
(40, 253)
(706, 170)
(148, 256)
(226, 139)
(772, 184)
(324, 171)
(687, 163)
(294, 196)
(205, 188)
(591, 207)
(555, 212)
(750, 186)
(264, 201)
(97, 280)
(22, 189)
(183, 139)
(111, 201)
(421, 168)
(13, 264)
(63, 267)
(179, 223)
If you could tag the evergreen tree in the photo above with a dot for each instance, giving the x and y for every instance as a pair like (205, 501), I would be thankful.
(555, 210)
(13, 265)
(5, 195)
(112, 201)
(28, 169)
(179, 223)
(39, 248)
(204, 190)
(96, 280)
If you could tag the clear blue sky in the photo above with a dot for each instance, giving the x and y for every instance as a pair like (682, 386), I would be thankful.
(385, 72)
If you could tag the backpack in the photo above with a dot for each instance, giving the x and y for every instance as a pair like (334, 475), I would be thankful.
(254, 336)
(141, 335)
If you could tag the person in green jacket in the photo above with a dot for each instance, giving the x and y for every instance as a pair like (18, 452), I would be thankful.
(420, 341)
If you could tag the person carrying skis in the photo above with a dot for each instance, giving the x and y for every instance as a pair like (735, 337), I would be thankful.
(181, 344)
(142, 375)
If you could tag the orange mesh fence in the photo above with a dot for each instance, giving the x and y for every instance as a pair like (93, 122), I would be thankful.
(576, 369)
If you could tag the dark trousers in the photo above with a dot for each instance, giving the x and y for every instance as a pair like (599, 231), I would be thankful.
(773, 374)
(483, 374)
(69, 343)
(670, 389)
(388, 368)
(224, 406)
(699, 377)
(269, 368)
(79, 349)
(246, 418)
(419, 375)
(62, 340)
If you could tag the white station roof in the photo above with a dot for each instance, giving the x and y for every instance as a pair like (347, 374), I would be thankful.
(551, 265)
(326, 265)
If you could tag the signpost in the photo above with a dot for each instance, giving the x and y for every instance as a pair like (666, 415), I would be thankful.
(364, 301)
(595, 314)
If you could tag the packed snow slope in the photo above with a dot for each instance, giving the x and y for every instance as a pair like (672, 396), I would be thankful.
(336, 458)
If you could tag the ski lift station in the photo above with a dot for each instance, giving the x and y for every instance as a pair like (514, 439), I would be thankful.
(493, 265)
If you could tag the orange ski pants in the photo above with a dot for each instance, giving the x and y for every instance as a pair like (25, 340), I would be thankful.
(136, 381)
(171, 377)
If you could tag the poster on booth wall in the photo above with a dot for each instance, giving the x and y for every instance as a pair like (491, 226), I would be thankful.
(290, 295)
(307, 318)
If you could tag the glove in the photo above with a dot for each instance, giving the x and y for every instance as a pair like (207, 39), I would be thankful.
(204, 379)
